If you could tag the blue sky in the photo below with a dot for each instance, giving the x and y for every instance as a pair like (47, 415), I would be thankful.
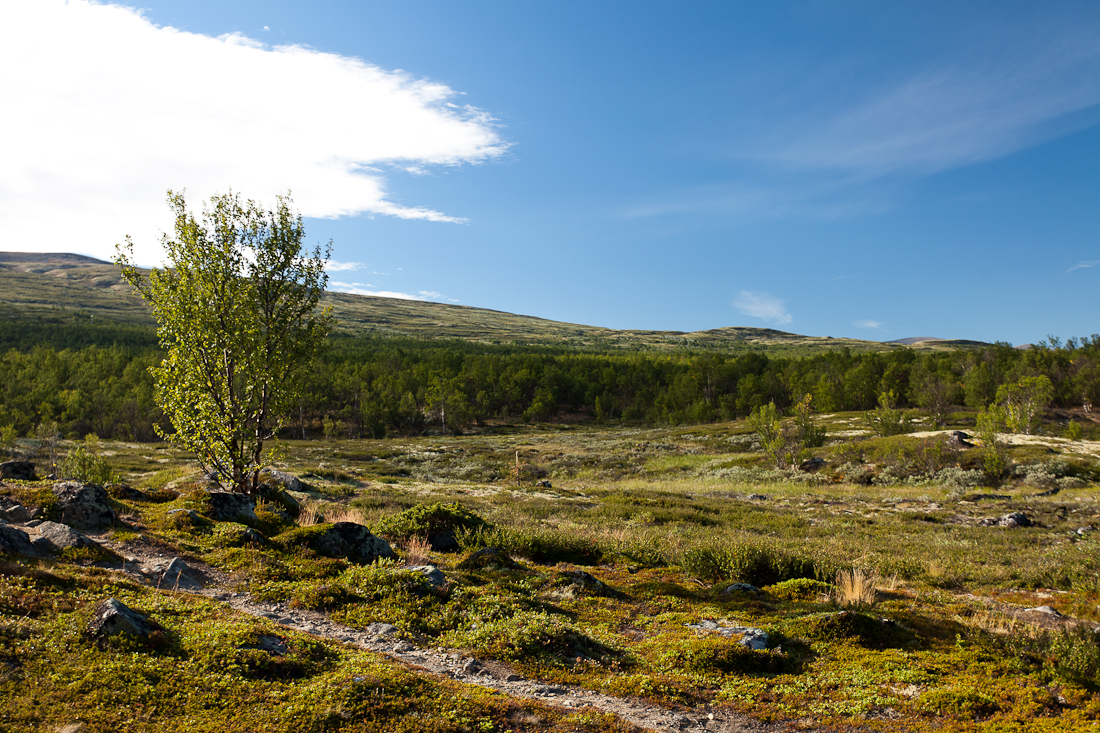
(874, 170)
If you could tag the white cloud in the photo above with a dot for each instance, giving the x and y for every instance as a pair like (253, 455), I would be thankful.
(334, 266)
(105, 111)
(367, 289)
(762, 305)
(430, 294)
(1084, 264)
(869, 324)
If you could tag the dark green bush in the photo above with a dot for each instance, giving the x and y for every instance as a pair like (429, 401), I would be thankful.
(541, 546)
(427, 520)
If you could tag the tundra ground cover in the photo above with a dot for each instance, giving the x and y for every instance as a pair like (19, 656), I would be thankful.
(631, 536)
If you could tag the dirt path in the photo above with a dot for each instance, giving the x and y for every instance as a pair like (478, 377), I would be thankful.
(151, 564)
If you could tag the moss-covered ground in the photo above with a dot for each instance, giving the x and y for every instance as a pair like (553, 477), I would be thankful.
(613, 540)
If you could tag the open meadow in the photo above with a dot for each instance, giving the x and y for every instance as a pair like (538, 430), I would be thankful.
(668, 577)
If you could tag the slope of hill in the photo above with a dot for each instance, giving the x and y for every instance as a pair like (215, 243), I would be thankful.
(47, 286)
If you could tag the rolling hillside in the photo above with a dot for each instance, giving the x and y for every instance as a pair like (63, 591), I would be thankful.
(47, 286)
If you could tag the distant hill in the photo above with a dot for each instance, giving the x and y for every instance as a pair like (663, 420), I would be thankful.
(36, 285)
(933, 341)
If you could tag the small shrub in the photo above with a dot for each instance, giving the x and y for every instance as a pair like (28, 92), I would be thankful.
(958, 702)
(799, 589)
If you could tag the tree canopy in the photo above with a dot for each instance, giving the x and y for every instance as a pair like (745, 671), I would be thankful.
(236, 309)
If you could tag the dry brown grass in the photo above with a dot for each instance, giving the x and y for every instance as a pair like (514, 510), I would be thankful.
(418, 551)
(311, 514)
(855, 588)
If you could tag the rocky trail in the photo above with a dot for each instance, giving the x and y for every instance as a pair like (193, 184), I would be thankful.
(157, 566)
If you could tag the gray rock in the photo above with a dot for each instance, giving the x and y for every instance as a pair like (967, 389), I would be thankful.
(1045, 610)
(176, 575)
(959, 439)
(1015, 519)
(53, 537)
(282, 479)
(126, 492)
(273, 645)
(381, 629)
(353, 541)
(749, 636)
(83, 506)
(431, 573)
(226, 506)
(812, 465)
(17, 470)
(15, 541)
(189, 513)
(112, 617)
(1084, 530)
(742, 588)
(544, 484)
(17, 514)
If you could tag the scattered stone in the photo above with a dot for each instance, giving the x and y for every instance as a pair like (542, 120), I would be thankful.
(17, 514)
(959, 439)
(431, 573)
(1087, 528)
(544, 484)
(353, 541)
(17, 470)
(382, 630)
(811, 465)
(189, 513)
(176, 575)
(273, 645)
(756, 497)
(32, 523)
(112, 617)
(15, 541)
(282, 479)
(84, 506)
(742, 587)
(226, 506)
(573, 583)
(54, 537)
(1015, 519)
(750, 636)
(1046, 610)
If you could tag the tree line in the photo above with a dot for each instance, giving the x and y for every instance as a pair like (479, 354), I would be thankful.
(378, 386)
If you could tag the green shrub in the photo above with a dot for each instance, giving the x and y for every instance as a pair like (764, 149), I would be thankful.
(716, 653)
(757, 564)
(798, 589)
(426, 520)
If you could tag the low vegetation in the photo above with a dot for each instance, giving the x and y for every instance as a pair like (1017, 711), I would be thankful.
(891, 596)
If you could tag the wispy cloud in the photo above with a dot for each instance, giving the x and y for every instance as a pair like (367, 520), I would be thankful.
(368, 289)
(1084, 264)
(869, 324)
(334, 266)
(951, 112)
(102, 137)
(762, 305)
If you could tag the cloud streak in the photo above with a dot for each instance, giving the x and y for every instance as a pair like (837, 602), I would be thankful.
(762, 305)
(114, 110)
(869, 324)
(1083, 264)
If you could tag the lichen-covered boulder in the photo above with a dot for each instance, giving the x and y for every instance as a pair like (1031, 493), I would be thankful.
(341, 540)
(54, 536)
(83, 506)
(432, 575)
(224, 506)
(111, 617)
